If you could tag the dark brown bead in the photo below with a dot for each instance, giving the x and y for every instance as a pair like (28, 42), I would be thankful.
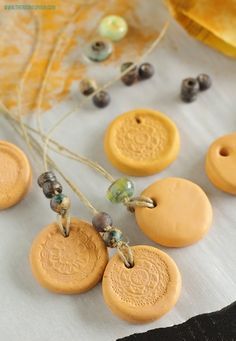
(204, 81)
(146, 71)
(51, 188)
(47, 176)
(131, 76)
(188, 98)
(101, 99)
(101, 220)
(189, 90)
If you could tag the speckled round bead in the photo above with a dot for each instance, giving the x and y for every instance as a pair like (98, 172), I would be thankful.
(47, 176)
(113, 27)
(131, 76)
(87, 86)
(146, 71)
(120, 190)
(112, 237)
(51, 188)
(101, 220)
(60, 203)
(101, 99)
(99, 49)
(204, 81)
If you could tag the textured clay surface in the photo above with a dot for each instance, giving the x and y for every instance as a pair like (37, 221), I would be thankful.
(221, 163)
(145, 292)
(182, 216)
(141, 142)
(68, 265)
(15, 174)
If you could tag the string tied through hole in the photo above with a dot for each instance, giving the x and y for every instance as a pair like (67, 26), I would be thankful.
(140, 201)
(63, 222)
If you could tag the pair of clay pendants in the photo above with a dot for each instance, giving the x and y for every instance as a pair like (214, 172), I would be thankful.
(143, 142)
(181, 217)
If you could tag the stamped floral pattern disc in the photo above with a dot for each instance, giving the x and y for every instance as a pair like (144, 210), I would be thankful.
(15, 175)
(141, 142)
(68, 265)
(144, 292)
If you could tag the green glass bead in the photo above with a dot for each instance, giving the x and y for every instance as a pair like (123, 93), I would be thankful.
(113, 27)
(120, 190)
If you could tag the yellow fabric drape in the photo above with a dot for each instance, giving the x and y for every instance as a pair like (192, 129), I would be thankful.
(210, 21)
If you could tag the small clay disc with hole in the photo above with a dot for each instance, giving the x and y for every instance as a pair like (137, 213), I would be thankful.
(142, 142)
(221, 163)
(68, 265)
(144, 292)
(182, 216)
(15, 175)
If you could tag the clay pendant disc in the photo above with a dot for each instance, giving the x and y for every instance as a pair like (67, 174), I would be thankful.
(145, 292)
(15, 175)
(68, 265)
(182, 216)
(221, 163)
(142, 142)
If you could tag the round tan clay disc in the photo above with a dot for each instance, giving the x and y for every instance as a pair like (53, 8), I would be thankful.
(142, 142)
(221, 163)
(182, 216)
(68, 265)
(15, 175)
(145, 292)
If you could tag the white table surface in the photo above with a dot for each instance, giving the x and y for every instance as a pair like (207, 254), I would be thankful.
(30, 313)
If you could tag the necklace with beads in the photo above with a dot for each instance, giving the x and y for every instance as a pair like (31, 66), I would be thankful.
(140, 283)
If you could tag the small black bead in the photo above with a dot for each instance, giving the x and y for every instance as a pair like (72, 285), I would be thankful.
(189, 90)
(204, 81)
(47, 176)
(189, 86)
(132, 76)
(146, 71)
(51, 188)
(101, 99)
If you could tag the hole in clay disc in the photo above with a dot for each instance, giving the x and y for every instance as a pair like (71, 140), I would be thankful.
(129, 267)
(224, 152)
(154, 203)
(137, 119)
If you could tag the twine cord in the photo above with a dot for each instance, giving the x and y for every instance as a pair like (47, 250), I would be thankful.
(74, 188)
(45, 79)
(125, 254)
(123, 249)
(108, 84)
(64, 227)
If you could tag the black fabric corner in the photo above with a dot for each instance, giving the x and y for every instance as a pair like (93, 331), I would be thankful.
(216, 326)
